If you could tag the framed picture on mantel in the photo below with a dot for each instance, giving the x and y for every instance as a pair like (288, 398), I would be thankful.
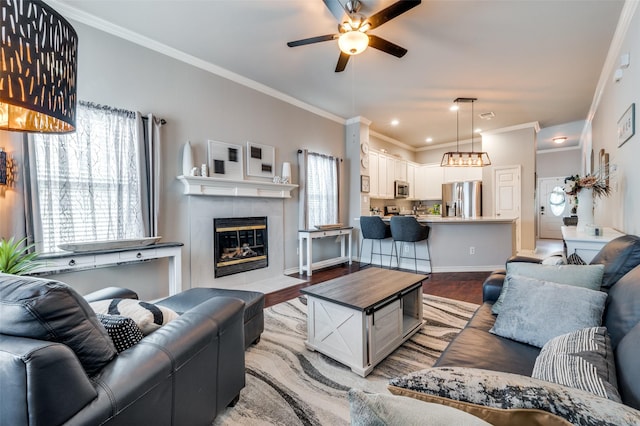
(225, 160)
(261, 160)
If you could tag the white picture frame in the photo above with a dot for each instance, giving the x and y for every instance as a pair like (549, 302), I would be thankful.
(261, 160)
(225, 160)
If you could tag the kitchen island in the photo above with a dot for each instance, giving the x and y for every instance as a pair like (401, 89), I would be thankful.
(455, 245)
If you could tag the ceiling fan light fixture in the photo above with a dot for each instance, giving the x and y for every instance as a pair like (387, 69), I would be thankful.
(353, 42)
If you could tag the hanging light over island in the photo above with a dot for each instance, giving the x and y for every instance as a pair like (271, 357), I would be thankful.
(459, 158)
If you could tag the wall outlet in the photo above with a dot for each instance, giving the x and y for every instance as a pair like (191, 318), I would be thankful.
(472, 250)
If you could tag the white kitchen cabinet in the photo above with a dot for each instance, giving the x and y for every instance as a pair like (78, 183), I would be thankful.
(430, 181)
(411, 178)
(458, 174)
(387, 176)
(374, 175)
(400, 169)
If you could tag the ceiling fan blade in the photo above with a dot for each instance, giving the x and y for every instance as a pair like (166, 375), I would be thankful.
(391, 12)
(335, 8)
(386, 46)
(342, 62)
(312, 40)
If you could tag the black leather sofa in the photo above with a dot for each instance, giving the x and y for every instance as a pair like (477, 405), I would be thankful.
(184, 373)
(476, 347)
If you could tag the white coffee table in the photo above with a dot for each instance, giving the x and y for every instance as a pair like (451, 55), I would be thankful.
(361, 318)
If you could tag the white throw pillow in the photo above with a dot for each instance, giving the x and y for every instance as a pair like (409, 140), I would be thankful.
(147, 316)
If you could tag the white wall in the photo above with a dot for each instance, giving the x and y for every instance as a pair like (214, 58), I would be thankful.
(197, 106)
(620, 210)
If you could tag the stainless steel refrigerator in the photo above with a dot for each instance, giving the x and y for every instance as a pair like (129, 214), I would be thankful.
(462, 199)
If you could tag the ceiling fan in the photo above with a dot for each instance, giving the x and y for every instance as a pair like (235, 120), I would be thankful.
(352, 33)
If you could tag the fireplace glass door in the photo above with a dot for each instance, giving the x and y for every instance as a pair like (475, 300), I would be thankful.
(240, 245)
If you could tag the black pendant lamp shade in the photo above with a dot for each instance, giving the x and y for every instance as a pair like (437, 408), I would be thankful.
(38, 64)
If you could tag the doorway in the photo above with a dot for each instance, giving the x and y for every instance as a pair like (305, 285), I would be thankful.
(553, 204)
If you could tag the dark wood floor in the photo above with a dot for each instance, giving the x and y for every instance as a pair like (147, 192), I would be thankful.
(465, 286)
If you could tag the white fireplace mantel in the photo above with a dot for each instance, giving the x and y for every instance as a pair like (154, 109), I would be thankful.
(216, 187)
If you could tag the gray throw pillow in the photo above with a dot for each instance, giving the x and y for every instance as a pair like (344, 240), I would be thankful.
(582, 359)
(381, 410)
(587, 276)
(511, 392)
(536, 311)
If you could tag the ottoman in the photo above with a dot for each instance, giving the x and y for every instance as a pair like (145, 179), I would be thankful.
(253, 300)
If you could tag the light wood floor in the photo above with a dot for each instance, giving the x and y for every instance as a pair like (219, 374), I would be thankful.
(465, 286)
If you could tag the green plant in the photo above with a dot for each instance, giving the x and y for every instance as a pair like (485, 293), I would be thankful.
(15, 259)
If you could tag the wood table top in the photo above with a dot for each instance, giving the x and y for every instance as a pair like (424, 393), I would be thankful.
(364, 289)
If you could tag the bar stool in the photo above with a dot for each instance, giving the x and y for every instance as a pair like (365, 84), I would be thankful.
(373, 228)
(406, 229)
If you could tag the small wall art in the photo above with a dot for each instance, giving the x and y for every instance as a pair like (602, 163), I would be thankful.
(260, 160)
(225, 160)
(627, 125)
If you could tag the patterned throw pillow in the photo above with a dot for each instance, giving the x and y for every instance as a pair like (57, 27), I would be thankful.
(123, 331)
(476, 391)
(147, 316)
(582, 359)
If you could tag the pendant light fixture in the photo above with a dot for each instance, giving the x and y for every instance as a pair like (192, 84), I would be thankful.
(464, 158)
(38, 59)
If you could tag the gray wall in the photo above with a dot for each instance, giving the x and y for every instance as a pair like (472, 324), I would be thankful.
(620, 210)
(558, 163)
(510, 148)
(198, 106)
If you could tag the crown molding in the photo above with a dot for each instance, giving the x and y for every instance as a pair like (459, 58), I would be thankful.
(391, 140)
(534, 124)
(72, 13)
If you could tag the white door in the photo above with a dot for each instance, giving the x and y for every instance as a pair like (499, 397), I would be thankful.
(553, 205)
(507, 190)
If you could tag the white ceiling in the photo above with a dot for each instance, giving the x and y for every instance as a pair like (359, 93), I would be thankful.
(525, 60)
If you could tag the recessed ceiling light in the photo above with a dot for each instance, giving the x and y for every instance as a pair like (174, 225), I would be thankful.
(395, 122)
(454, 107)
(478, 130)
(559, 139)
(428, 140)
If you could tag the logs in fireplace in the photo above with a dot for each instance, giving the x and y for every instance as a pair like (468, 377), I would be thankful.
(240, 245)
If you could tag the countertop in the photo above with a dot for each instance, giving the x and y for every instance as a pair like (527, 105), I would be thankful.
(458, 220)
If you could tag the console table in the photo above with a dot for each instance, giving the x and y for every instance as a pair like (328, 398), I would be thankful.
(55, 263)
(584, 245)
(311, 234)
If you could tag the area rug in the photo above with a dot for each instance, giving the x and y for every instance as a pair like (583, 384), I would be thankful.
(289, 385)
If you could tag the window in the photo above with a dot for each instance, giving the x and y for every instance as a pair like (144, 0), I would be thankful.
(320, 189)
(88, 185)
(557, 201)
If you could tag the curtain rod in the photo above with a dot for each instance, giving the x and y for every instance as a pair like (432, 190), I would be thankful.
(162, 120)
(317, 153)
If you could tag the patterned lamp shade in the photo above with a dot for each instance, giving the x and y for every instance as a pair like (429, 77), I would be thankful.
(38, 54)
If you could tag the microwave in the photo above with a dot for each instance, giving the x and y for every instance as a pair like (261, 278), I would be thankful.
(401, 189)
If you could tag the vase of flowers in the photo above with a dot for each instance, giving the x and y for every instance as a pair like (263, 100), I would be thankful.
(585, 189)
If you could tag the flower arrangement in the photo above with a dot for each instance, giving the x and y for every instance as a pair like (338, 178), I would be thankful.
(597, 182)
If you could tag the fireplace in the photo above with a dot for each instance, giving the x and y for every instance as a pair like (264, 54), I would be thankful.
(240, 244)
